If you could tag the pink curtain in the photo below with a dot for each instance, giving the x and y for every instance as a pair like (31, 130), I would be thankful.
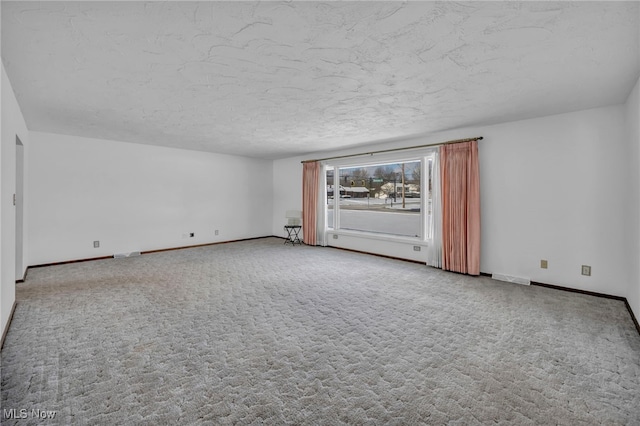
(460, 182)
(310, 176)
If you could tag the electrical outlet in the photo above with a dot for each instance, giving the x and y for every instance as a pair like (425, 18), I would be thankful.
(191, 235)
(335, 236)
(544, 264)
(96, 244)
(217, 232)
(586, 270)
(416, 248)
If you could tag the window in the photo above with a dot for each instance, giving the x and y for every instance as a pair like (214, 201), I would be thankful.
(330, 196)
(388, 198)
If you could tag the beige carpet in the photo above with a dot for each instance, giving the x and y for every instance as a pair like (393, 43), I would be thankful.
(256, 332)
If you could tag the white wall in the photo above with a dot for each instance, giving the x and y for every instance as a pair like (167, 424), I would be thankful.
(134, 197)
(287, 191)
(551, 188)
(633, 260)
(12, 124)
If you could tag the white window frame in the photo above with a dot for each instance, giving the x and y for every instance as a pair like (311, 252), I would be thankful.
(423, 155)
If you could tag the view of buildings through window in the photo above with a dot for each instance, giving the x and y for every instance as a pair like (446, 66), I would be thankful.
(383, 198)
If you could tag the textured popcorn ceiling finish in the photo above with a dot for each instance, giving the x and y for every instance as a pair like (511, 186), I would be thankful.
(275, 79)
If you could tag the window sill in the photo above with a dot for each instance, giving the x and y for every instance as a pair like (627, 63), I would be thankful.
(380, 237)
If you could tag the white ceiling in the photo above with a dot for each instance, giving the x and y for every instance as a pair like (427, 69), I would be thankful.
(282, 78)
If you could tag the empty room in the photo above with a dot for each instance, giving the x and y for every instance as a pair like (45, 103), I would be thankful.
(301, 212)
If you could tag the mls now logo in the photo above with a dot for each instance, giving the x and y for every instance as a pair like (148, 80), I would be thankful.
(14, 413)
(23, 413)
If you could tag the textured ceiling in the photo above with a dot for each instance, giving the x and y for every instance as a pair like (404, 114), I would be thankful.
(280, 78)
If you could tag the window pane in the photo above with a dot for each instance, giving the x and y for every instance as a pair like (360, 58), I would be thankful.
(384, 198)
(330, 197)
(429, 218)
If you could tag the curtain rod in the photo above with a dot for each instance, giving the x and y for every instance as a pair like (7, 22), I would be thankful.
(478, 138)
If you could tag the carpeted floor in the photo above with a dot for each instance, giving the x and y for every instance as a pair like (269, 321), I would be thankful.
(256, 332)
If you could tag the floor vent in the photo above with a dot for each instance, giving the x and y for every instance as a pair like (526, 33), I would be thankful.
(123, 255)
(511, 279)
